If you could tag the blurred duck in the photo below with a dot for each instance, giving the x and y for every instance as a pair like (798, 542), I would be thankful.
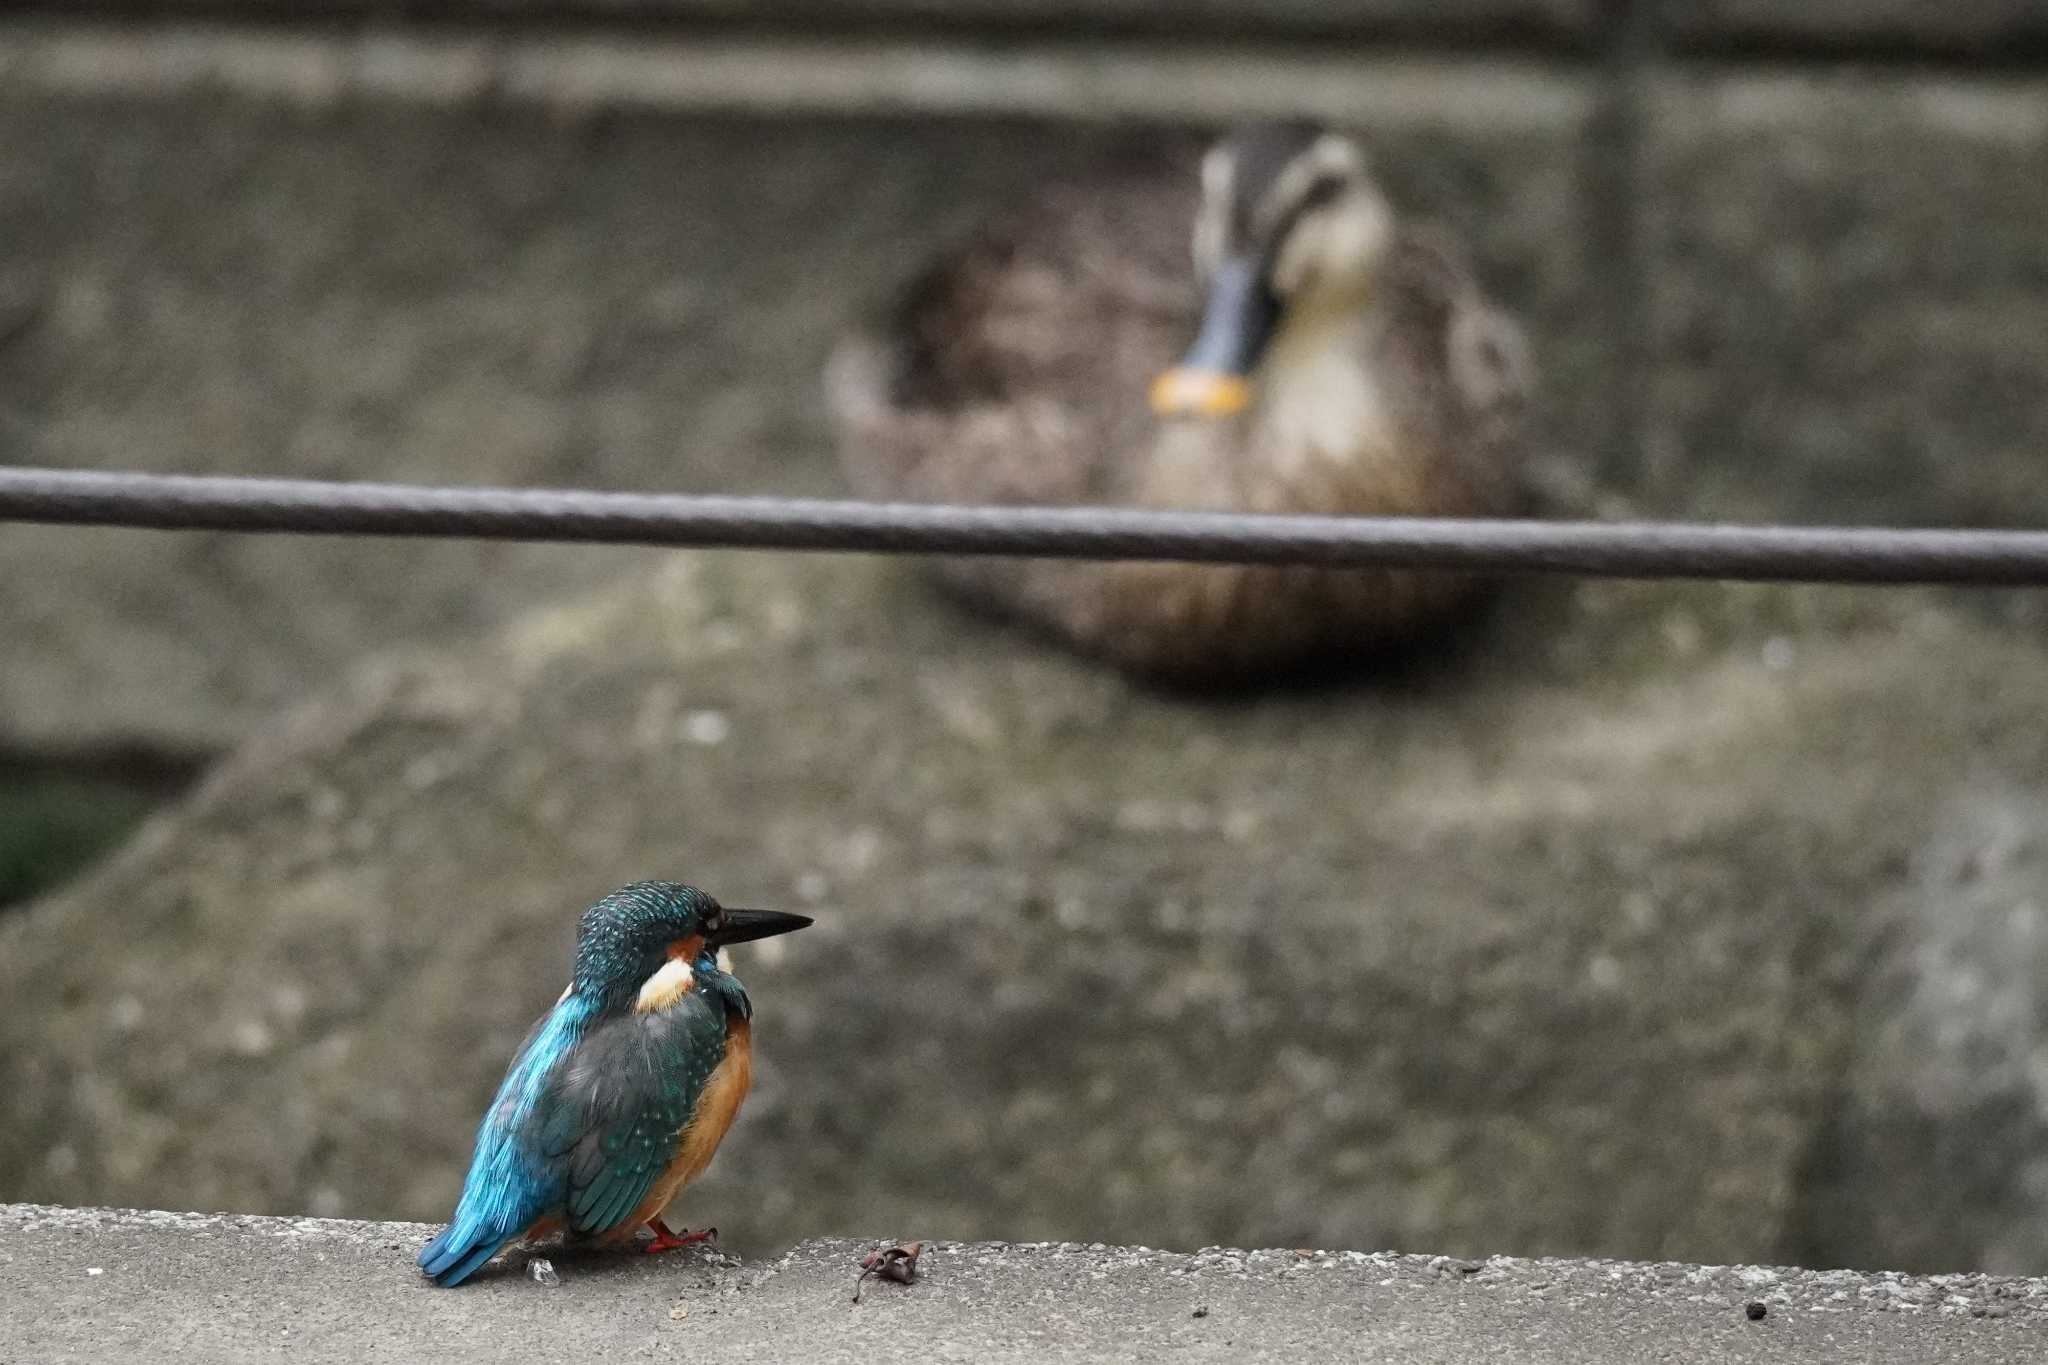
(1343, 363)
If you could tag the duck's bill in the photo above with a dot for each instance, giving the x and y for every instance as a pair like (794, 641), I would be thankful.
(1184, 392)
(744, 926)
(1214, 378)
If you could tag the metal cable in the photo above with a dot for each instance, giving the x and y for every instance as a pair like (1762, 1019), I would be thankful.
(1607, 549)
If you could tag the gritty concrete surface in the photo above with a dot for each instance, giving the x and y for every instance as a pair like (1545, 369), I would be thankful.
(90, 1285)
(1830, 347)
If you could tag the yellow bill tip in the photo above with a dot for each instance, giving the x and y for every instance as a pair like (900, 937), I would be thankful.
(1200, 393)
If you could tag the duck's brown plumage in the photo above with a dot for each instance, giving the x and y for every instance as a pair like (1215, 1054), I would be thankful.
(1016, 371)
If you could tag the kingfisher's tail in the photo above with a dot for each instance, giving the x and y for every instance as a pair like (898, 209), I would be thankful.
(461, 1250)
(494, 1210)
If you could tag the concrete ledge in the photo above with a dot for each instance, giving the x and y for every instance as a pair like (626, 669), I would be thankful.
(92, 1285)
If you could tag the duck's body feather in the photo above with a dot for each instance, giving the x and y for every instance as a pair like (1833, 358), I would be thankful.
(1016, 371)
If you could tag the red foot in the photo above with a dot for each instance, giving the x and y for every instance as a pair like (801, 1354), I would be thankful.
(664, 1240)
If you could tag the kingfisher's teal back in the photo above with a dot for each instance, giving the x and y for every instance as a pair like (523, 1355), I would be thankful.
(621, 1093)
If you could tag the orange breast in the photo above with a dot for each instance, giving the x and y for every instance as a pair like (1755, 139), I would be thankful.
(717, 1107)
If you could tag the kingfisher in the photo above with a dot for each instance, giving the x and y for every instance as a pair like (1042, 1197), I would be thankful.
(622, 1092)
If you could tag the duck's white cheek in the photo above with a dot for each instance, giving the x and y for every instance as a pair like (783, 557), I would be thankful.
(1356, 234)
(1334, 250)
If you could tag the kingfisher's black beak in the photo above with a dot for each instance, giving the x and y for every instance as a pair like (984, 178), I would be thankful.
(744, 926)
(1213, 379)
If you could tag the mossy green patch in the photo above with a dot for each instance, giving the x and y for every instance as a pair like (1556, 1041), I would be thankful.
(52, 825)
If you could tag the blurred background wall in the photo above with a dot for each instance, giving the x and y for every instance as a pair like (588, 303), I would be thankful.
(1698, 921)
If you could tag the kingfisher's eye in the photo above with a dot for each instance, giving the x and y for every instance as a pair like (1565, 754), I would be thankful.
(714, 921)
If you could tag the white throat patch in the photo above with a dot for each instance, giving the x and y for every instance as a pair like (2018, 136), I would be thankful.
(665, 987)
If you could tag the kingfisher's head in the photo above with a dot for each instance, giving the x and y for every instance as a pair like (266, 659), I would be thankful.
(1291, 222)
(633, 936)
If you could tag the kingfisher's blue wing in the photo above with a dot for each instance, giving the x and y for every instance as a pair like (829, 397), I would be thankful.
(611, 1113)
(509, 1184)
